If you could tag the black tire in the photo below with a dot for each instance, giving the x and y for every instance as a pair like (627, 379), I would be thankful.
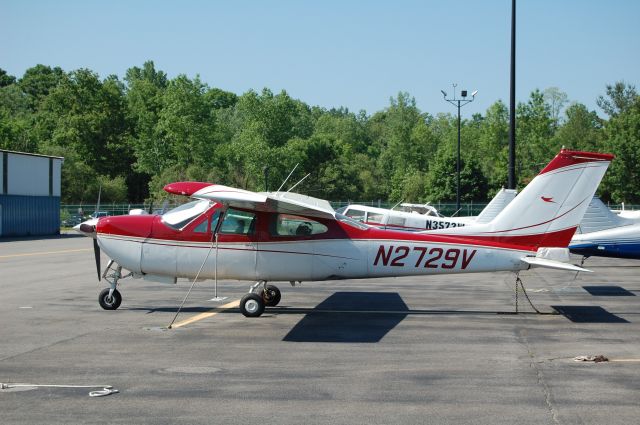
(252, 305)
(271, 296)
(109, 304)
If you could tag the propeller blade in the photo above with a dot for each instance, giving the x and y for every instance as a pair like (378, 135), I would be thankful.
(96, 253)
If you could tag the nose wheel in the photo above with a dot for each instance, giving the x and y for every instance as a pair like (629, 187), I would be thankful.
(109, 302)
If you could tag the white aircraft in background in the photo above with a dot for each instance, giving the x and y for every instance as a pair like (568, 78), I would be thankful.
(415, 218)
(603, 233)
(265, 237)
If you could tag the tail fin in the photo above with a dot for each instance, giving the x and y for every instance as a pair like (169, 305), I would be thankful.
(547, 212)
(497, 204)
(599, 217)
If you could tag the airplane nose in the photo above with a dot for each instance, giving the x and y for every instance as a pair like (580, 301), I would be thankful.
(87, 228)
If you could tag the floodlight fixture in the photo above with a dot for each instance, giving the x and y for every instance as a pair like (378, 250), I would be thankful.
(458, 103)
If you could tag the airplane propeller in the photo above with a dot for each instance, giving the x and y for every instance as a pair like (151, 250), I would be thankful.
(96, 248)
(88, 228)
(96, 253)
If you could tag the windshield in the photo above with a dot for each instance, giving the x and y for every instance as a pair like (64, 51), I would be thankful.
(179, 217)
(342, 209)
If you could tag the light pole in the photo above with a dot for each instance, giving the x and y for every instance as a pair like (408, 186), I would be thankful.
(459, 103)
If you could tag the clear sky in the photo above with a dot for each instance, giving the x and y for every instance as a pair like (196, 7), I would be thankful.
(338, 53)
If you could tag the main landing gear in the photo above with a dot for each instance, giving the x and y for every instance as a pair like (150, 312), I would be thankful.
(260, 296)
(110, 298)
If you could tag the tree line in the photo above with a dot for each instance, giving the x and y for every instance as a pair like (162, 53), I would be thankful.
(130, 137)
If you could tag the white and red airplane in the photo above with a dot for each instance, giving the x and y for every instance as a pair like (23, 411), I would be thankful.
(265, 237)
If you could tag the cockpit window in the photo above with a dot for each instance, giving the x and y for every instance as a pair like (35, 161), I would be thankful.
(179, 217)
(204, 227)
(238, 222)
(351, 222)
(355, 214)
(293, 225)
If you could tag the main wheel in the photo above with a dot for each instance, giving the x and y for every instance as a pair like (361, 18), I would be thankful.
(252, 305)
(107, 302)
(271, 296)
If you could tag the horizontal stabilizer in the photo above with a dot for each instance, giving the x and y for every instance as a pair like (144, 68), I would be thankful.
(552, 264)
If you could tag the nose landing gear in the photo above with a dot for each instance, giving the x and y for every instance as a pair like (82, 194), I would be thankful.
(260, 296)
(110, 298)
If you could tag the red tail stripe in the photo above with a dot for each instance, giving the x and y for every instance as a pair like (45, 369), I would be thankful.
(567, 158)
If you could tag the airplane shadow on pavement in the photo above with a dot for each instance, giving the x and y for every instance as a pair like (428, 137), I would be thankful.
(588, 314)
(351, 317)
(608, 291)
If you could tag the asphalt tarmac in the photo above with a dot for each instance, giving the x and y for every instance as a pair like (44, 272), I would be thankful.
(441, 350)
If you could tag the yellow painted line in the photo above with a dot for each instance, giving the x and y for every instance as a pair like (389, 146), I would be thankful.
(206, 314)
(29, 254)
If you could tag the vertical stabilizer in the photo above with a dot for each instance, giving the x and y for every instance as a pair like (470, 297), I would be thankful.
(548, 210)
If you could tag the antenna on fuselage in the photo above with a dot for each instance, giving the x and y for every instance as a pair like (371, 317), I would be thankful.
(285, 180)
(298, 182)
(98, 203)
(394, 207)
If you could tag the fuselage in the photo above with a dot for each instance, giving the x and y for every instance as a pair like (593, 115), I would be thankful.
(255, 245)
(618, 242)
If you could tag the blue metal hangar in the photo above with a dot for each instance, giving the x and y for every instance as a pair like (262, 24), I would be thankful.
(29, 194)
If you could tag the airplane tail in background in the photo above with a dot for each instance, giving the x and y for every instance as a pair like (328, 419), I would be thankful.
(547, 212)
(497, 204)
(599, 217)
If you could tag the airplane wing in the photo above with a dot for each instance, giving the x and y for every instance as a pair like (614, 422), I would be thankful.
(552, 264)
(281, 202)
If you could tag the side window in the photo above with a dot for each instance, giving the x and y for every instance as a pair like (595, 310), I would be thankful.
(204, 226)
(214, 221)
(238, 222)
(375, 218)
(396, 221)
(293, 225)
(355, 214)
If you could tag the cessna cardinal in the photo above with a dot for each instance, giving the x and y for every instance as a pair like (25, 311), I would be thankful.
(265, 237)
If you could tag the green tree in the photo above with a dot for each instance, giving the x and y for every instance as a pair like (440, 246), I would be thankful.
(534, 136)
(441, 180)
(582, 129)
(15, 120)
(144, 92)
(38, 81)
(619, 97)
(6, 79)
(622, 137)
(185, 131)
(493, 145)
(556, 99)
